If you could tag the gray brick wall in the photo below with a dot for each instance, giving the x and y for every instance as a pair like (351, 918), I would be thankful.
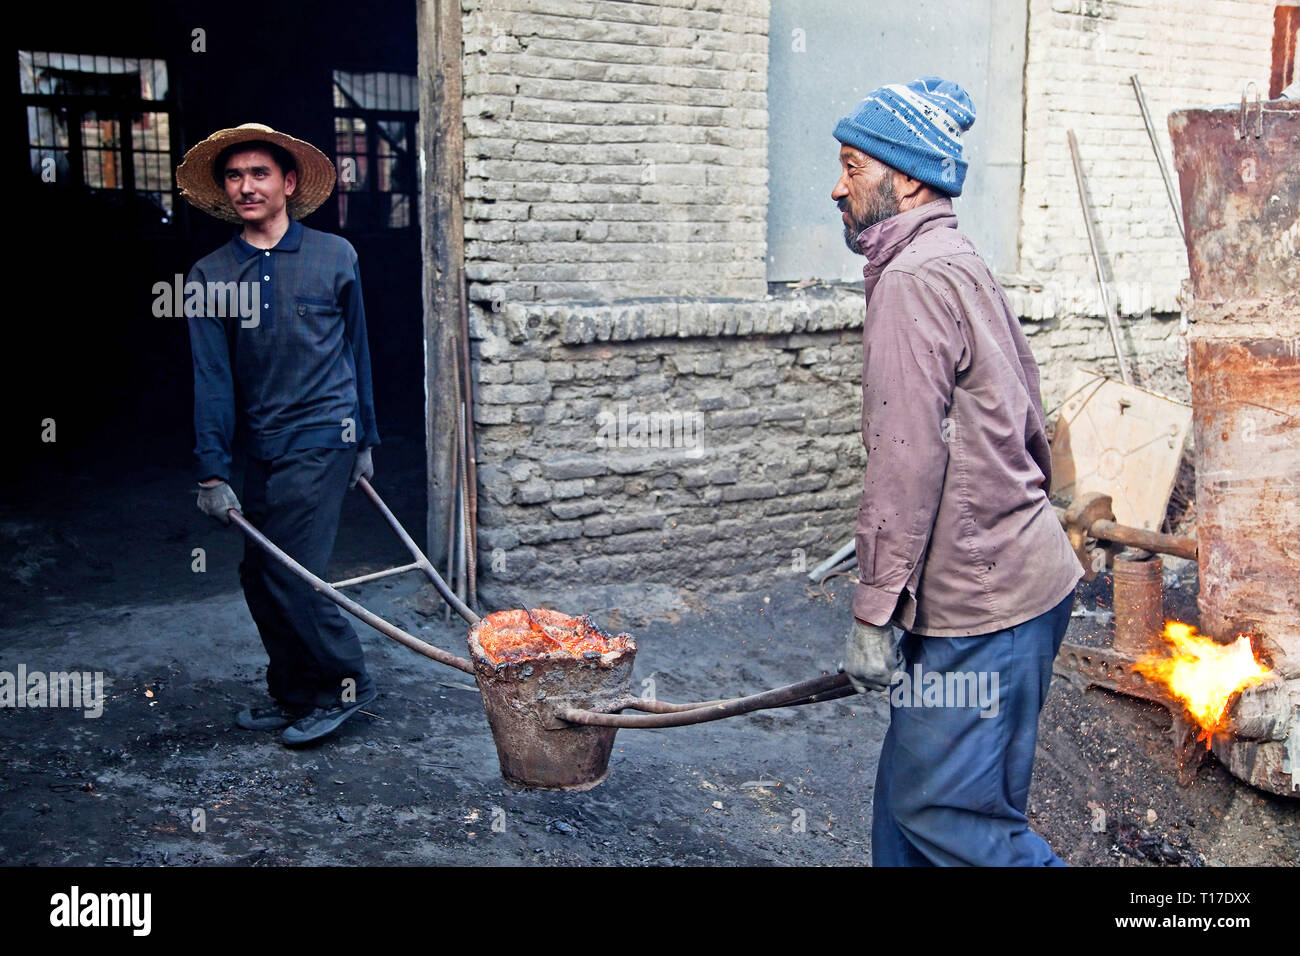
(708, 443)
(1080, 56)
(615, 150)
(616, 195)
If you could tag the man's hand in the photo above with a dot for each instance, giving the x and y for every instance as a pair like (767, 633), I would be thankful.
(216, 499)
(364, 467)
(871, 656)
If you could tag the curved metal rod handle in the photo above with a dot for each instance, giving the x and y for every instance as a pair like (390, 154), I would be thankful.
(349, 605)
(425, 565)
(826, 687)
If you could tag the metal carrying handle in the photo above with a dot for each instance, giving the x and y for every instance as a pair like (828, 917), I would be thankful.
(356, 610)
(660, 713)
(826, 687)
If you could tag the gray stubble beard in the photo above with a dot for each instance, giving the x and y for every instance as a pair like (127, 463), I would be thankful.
(884, 204)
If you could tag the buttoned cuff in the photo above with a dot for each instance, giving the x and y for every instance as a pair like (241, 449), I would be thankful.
(874, 605)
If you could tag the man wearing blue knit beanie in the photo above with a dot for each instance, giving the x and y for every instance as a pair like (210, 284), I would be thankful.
(966, 579)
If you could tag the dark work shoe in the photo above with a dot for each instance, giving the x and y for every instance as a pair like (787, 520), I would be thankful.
(322, 721)
(276, 717)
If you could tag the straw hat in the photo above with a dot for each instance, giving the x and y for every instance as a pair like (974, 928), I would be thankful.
(201, 190)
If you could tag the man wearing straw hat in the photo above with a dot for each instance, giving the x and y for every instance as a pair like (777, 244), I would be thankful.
(291, 365)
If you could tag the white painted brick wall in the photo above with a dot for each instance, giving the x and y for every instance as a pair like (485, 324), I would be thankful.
(615, 149)
(1081, 53)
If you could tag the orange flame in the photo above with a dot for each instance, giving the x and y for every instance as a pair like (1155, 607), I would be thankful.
(1203, 674)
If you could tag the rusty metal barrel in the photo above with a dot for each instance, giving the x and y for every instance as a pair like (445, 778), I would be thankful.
(520, 697)
(1239, 178)
(1239, 173)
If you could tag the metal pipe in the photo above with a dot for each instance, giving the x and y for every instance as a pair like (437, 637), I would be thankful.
(808, 691)
(818, 698)
(664, 707)
(413, 566)
(1160, 157)
(661, 706)
(1106, 530)
(845, 550)
(1177, 544)
(659, 713)
(349, 605)
(1112, 323)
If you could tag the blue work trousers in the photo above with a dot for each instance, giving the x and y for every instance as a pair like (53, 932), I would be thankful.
(954, 771)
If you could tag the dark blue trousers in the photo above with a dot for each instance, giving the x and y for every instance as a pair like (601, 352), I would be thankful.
(295, 501)
(953, 780)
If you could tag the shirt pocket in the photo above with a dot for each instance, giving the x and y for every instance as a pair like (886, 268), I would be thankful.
(317, 321)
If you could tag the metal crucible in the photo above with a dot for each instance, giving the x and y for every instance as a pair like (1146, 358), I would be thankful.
(527, 661)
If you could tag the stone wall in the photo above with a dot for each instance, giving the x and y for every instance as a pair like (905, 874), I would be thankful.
(710, 443)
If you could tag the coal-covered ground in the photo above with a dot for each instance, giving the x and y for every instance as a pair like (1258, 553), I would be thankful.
(98, 575)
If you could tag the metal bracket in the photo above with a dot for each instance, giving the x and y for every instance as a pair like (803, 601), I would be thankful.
(1291, 755)
(1259, 112)
(1105, 667)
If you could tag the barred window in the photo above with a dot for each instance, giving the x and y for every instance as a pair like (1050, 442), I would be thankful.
(375, 127)
(104, 124)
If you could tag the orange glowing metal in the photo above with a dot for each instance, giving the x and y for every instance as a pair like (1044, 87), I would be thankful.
(522, 634)
(1202, 673)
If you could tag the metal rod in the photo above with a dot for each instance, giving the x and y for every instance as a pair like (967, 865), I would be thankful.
(816, 573)
(661, 706)
(833, 694)
(451, 519)
(471, 452)
(462, 521)
(425, 564)
(349, 605)
(1179, 545)
(807, 691)
(1106, 530)
(1160, 157)
(1112, 323)
(413, 566)
(660, 713)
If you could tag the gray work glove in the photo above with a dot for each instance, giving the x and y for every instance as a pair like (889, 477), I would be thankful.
(871, 656)
(363, 467)
(217, 500)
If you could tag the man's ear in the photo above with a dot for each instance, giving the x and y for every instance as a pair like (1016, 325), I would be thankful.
(290, 182)
(911, 192)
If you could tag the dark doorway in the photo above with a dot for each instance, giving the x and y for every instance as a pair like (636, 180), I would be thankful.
(106, 105)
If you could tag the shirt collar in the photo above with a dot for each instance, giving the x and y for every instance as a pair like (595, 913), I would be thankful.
(881, 242)
(289, 242)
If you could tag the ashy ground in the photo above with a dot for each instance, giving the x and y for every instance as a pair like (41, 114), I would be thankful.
(98, 576)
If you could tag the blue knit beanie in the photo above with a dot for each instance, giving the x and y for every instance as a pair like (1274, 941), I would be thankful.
(916, 129)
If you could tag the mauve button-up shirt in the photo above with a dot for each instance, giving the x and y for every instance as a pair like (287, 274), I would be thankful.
(955, 533)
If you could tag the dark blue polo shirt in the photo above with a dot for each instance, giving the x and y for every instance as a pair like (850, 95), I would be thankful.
(297, 376)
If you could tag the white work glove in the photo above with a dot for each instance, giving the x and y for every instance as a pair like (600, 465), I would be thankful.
(872, 655)
(216, 500)
(363, 467)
